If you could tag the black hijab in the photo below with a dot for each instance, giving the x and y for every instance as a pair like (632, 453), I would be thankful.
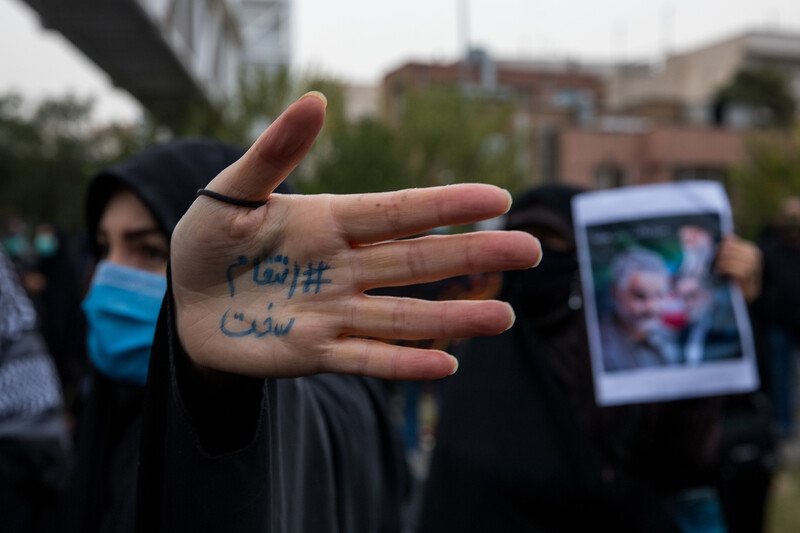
(549, 294)
(165, 177)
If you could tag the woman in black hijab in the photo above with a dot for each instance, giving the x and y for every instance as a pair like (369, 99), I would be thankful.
(131, 209)
(249, 423)
(521, 444)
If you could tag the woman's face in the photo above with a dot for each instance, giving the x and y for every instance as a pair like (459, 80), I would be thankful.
(128, 235)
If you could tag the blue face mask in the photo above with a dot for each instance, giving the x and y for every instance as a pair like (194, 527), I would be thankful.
(46, 245)
(16, 245)
(121, 310)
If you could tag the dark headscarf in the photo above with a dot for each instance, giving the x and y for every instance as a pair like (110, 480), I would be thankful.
(555, 199)
(541, 295)
(165, 177)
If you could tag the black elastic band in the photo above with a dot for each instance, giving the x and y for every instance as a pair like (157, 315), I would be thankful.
(229, 200)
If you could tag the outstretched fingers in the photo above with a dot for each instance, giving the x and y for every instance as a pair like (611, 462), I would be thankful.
(366, 218)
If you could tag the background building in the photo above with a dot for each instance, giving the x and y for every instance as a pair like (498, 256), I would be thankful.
(546, 95)
(683, 87)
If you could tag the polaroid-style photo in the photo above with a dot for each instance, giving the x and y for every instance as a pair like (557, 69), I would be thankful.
(662, 324)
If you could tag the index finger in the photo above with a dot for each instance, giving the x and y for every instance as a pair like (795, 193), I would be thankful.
(366, 218)
(275, 153)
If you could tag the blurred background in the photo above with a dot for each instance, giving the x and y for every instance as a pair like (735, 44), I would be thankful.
(511, 92)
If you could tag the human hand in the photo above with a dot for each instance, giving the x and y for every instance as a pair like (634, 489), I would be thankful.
(277, 291)
(741, 261)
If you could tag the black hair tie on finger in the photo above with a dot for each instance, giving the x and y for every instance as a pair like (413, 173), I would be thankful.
(229, 200)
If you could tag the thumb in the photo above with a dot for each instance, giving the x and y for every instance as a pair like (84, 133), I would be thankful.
(275, 153)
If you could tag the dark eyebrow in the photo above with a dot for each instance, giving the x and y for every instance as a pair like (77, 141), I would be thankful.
(136, 234)
(143, 233)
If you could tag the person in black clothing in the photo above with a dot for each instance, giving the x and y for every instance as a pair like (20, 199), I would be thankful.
(131, 210)
(247, 421)
(521, 444)
(780, 309)
(57, 299)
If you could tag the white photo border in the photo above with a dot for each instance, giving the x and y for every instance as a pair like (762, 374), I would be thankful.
(660, 383)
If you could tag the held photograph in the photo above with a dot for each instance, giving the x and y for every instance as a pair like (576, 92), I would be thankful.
(662, 324)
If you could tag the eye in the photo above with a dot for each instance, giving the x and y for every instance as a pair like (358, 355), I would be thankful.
(154, 253)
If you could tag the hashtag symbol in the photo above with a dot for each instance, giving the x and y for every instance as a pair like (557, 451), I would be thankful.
(313, 277)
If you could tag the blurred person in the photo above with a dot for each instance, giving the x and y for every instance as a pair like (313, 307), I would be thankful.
(416, 403)
(411, 393)
(131, 210)
(697, 247)
(57, 297)
(34, 441)
(710, 333)
(696, 296)
(521, 444)
(634, 336)
(250, 421)
(780, 308)
(17, 245)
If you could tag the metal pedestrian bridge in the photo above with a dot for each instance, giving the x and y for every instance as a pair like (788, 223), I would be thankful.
(172, 55)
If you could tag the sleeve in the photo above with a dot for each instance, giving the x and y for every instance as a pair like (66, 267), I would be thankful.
(34, 441)
(221, 452)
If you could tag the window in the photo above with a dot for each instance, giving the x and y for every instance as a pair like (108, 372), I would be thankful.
(609, 175)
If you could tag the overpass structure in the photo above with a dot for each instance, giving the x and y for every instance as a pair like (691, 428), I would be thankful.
(173, 55)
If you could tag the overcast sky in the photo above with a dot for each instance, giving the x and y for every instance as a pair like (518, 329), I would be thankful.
(360, 40)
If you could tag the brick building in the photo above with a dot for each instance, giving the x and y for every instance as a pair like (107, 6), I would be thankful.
(666, 128)
(546, 96)
(605, 126)
(602, 158)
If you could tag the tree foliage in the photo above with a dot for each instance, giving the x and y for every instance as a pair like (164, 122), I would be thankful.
(761, 87)
(48, 152)
(260, 97)
(770, 173)
(441, 137)
(454, 137)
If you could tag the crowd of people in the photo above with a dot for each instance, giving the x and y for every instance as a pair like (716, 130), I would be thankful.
(215, 362)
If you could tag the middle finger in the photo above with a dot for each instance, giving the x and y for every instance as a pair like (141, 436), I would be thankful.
(436, 257)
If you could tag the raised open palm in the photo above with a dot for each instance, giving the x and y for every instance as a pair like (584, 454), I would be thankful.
(278, 290)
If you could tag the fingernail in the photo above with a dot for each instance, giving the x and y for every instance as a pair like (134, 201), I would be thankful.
(541, 253)
(513, 317)
(510, 200)
(316, 94)
(455, 366)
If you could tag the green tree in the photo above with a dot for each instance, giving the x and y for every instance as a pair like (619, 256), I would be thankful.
(48, 152)
(260, 97)
(351, 158)
(452, 137)
(770, 173)
(761, 87)
(442, 137)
